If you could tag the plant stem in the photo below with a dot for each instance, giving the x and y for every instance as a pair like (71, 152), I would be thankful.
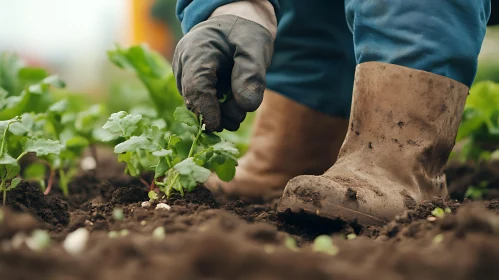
(153, 185)
(144, 182)
(191, 151)
(4, 190)
(20, 156)
(170, 187)
(63, 182)
(50, 182)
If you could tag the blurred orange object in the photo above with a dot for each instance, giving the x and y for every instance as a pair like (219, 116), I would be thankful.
(146, 29)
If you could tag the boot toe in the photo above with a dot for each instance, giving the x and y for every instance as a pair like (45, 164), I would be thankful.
(323, 197)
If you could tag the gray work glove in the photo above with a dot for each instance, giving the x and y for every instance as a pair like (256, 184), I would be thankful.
(224, 55)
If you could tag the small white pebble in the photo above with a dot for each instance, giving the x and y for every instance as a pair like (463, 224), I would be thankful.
(113, 234)
(143, 223)
(124, 232)
(17, 240)
(88, 163)
(163, 206)
(146, 204)
(431, 218)
(76, 241)
(158, 233)
(39, 240)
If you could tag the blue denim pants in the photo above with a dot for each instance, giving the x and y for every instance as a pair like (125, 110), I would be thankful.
(319, 42)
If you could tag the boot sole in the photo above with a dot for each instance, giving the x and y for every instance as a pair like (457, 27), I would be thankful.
(297, 207)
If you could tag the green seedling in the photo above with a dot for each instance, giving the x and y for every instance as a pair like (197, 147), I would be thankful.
(477, 192)
(9, 167)
(118, 214)
(290, 243)
(438, 212)
(179, 162)
(324, 244)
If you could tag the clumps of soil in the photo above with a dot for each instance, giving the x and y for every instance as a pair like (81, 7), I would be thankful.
(206, 240)
(12, 222)
(28, 198)
(130, 194)
(411, 222)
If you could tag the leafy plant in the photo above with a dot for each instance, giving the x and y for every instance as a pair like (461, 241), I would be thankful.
(479, 128)
(179, 162)
(477, 192)
(154, 72)
(24, 89)
(56, 125)
(173, 144)
(9, 167)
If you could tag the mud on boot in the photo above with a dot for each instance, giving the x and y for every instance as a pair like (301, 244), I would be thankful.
(402, 129)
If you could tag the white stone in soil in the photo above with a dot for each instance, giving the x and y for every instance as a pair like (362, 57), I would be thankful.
(88, 163)
(146, 204)
(163, 206)
(76, 241)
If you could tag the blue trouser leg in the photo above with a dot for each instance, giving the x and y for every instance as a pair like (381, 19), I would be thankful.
(443, 37)
(314, 62)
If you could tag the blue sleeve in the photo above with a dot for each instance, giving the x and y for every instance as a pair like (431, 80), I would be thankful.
(192, 12)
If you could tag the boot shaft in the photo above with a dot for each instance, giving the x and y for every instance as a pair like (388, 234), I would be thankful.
(405, 121)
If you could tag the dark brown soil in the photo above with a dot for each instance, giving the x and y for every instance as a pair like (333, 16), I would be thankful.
(206, 240)
(461, 176)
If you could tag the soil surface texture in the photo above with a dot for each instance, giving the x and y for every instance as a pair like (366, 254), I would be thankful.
(204, 239)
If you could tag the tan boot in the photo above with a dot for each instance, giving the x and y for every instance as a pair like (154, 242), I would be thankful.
(402, 129)
(289, 139)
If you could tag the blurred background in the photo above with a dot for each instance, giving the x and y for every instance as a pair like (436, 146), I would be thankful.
(71, 38)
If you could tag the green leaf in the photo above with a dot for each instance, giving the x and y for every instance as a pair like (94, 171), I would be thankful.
(7, 160)
(208, 139)
(161, 168)
(42, 147)
(226, 147)
(134, 144)
(23, 127)
(225, 171)
(12, 171)
(86, 120)
(14, 183)
(10, 64)
(183, 115)
(77, 144)
(152, 195)
(187, 183)
(154, 72)
(31, 75)
(122, 123)
(35, 171)
(191, 170)
(183, 147)
(324, 244)
(132, 163)
(173, 140)
(162, 153)
(59, 107)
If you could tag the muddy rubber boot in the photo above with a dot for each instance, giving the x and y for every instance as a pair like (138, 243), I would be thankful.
(403, 126)
(289, 139)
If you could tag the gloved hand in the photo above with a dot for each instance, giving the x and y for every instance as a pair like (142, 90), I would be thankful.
(226, 55)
